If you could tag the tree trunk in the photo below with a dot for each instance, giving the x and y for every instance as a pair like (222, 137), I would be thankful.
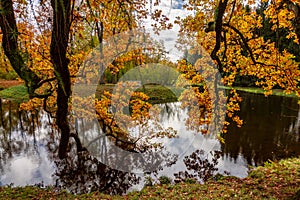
(58, 51)
(220, 11)
(10, 45)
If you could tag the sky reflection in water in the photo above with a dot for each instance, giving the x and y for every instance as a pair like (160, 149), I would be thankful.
(27, 157)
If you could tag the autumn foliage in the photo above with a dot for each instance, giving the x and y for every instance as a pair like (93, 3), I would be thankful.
(231, 49)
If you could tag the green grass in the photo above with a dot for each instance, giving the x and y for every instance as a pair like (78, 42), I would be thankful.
(156, 93)
(280, 180)
(16, 93)
(256, 90)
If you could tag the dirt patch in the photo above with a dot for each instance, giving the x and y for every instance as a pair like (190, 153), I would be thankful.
(8, 83)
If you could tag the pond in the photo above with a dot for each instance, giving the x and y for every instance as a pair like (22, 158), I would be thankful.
(29, 141)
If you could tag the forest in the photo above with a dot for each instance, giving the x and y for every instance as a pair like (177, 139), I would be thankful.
(107, 73)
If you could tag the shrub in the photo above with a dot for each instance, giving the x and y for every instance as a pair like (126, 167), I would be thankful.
(164, 180)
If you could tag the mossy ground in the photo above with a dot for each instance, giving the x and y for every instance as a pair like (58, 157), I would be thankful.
(280, 180)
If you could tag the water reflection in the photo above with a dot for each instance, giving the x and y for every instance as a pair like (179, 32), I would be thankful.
(25, 143)
(190, 142)
(29, 141)
(83, 173)
(28, 168)
(269, 132)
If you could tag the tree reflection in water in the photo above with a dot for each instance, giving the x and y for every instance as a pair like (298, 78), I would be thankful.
(269, 130)
(199, 166)
(83, 173)
(26, 136)
(25, 143)
(29, 143)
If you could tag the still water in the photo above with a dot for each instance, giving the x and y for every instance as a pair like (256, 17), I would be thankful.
(29, 141)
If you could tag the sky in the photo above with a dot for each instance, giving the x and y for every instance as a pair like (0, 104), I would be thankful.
(171, 9)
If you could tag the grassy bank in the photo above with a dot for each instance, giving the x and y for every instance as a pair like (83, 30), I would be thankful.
(16, 93)
(156, 93)
(256, 90)
(273, 181)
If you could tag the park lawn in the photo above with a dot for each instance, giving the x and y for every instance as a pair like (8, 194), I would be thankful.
(274, 180)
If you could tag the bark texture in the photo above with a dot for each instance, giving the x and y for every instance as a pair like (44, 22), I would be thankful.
(58, 51)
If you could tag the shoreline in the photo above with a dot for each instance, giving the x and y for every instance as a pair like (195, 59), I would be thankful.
(157, 94)
(274, 180)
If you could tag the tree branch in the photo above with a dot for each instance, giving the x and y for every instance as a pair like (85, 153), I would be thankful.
(245, 43)
(218, 29)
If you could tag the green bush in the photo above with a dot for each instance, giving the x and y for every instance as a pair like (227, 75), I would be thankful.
(148, 181)
(190, 181)
(165, 180)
